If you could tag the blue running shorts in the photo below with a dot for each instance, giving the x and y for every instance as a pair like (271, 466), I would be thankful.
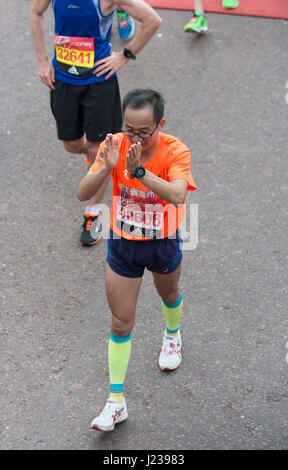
(129, 258)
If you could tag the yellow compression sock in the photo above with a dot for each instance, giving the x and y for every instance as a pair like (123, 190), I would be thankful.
(172, 314)
(119, 351)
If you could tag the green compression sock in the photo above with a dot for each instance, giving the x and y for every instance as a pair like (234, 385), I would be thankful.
(119, 351)
(172, 314)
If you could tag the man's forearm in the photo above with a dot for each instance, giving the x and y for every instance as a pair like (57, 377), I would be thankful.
(149, 19)
(164, 189)
(143, 36)
(91, 183)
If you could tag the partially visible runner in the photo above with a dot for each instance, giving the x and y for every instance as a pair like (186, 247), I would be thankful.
(85, 99)
(198, 22)
(151, 174)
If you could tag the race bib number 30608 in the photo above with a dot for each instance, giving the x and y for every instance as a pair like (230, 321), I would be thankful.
(74, 55)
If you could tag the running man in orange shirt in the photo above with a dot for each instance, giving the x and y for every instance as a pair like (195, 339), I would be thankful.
(151, 175)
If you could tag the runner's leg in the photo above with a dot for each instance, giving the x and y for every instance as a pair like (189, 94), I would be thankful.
(82, 146)
(167, 285)
(122, 294)
(198, 6)
(78, 146)
(172, 303)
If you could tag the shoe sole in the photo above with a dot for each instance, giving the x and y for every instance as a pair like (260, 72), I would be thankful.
(93, 243)
(199, 31)
(98, 428)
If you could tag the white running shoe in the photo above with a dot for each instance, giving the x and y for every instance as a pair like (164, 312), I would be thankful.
(170, 357)
(112, 414)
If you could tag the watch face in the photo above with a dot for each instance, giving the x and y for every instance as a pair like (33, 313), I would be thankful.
(129, 54)
(140, 171)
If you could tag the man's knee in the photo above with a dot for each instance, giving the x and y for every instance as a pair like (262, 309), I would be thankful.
(122, 327)
(171, 297)
(74, 146)
(81, 146)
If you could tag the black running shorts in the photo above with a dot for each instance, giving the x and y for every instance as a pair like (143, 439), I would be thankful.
(91, 109)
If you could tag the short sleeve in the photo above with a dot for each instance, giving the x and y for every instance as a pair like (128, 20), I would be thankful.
(179, 165)
(99, 160)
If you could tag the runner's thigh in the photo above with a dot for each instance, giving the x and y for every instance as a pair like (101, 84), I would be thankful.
(66, 107)
(102, 110)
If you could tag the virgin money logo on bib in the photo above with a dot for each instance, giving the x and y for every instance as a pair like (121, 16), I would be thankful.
(62, 41)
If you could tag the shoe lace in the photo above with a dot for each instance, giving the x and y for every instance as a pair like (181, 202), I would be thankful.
(107, 409)
(169, 345)
(88, 222)
(110, 409)
(123, 19)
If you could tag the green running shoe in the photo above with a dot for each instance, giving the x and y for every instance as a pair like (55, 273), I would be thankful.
(230, 3)
(197, 24)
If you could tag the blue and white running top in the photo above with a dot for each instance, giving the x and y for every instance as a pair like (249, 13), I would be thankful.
(82, 36)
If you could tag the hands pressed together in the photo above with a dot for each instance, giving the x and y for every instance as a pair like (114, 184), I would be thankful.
(111, 154)
(133, 159)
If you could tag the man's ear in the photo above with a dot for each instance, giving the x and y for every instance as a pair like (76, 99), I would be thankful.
(161, 123)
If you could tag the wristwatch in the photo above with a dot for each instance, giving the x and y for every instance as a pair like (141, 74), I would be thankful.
(129, 54)
(138, 173)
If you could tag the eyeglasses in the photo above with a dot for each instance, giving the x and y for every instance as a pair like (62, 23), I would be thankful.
(141, 135)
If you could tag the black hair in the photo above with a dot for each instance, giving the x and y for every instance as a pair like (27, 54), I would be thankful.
(139, 98)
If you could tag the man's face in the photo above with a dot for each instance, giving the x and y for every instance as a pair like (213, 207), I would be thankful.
(142, 121)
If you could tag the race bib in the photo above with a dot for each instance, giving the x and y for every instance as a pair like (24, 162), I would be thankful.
(140, 220)
(74, 55)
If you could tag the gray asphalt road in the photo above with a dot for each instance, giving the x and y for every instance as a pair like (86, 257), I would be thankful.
(226, 95)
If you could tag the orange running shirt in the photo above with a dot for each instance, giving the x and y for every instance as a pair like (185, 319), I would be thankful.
(137, 212)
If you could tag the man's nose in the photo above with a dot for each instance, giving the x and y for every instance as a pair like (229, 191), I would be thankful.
(135, 139)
